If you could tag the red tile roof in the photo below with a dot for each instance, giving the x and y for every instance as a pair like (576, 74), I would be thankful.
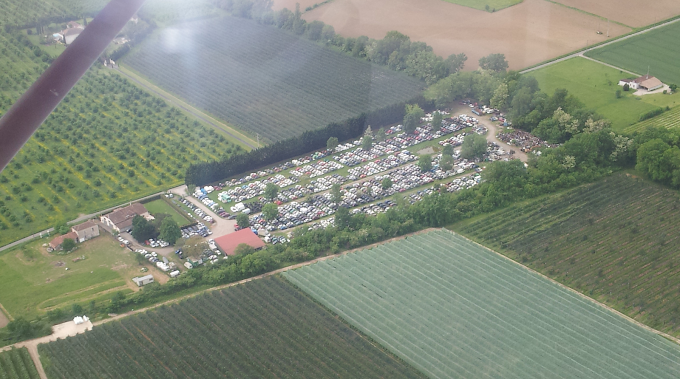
(229, 242)
(59, 239)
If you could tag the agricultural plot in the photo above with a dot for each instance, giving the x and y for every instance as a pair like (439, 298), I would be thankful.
(262, 329)
(652, 50)
(486, 5)
(615, 240)
(108, 142)
(670, 119)
(454, 309)
(595, 85)
(17, 364)
(265, 80)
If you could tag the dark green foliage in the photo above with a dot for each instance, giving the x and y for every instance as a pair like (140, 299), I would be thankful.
(658, 155)
(271, 190)
(142, 229)
(474, 146)
(270, 211)
(17, 364)
(425, 162)
(494, 62)
(294, 337)
(650, 114)
(169, 231)
(232, 62)
(68, 244)
(242, 220)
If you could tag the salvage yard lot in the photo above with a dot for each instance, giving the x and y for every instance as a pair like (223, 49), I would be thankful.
(454, 309)
(595, 85)
(655, 51)
(261, 329)
(615, 240)
(34, 281)
(265, 80)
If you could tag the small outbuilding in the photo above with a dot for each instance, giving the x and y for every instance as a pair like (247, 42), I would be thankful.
(86, 230)
(55, 244)
(143, 280)
(228, 242)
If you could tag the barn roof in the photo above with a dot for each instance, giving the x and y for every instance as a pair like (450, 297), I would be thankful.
(57, 241)
(83, 226)
(228, 242)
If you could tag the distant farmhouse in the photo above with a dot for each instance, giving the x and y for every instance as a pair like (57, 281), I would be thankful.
(120, 219)
(645, 82)
(86, 231)
(72, 32)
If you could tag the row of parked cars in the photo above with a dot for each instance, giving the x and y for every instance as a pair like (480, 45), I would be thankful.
(195, 230)
(317, 168)
(198, 211)
(380, 165)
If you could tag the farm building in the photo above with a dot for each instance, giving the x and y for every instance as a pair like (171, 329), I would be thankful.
(86, 231)
(71, 34)
(143, 280)
(644, 82)
(120, 219)
(228, 243)
(55, 244)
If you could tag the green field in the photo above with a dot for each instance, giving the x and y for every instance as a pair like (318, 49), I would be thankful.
(162, 206)
(34, 281)
(17, 364)
(108, 143)
(455, 309)
(654, 50)
(261, 329)
(615, 240)
(265, 80)
(596, 85)
(670, 119)
(493, 5)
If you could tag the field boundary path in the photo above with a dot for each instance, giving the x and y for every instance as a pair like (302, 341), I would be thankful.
(580, 53)
(243, 139)
(74, 221)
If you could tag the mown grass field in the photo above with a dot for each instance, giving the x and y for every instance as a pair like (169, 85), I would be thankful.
(34, 281)
(109, 142)
(654, 50)
(595, 85)
(669, 119)
(615, 240)
(17, 364)
(262, 79)
(455, 309)
(262, 329)
(162, 206)
(493, 5)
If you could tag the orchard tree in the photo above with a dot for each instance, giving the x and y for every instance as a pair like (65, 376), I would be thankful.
(474, 146)
(332, 143)
(170, 231)
(425, 162)
(270, 211)
(242, 220)
(271, 190)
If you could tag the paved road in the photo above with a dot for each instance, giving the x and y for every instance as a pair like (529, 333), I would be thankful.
(195, 112)
(597, 47)
(72, 222)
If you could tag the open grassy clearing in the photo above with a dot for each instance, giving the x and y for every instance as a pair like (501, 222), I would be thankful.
(485, 5)
(455, 309)
(654, 50)
(615, 240)
(108, 142)
(162, 206)
(34, 281)
(17, 364)
(265, 80)
(670, 119)
(264, 328)
(596, 85)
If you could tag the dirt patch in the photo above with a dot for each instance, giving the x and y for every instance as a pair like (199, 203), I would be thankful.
(527, 33)
(635, 13)
(427, 150)
(58, 264)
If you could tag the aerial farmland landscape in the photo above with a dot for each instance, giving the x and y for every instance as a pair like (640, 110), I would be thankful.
(340, 188)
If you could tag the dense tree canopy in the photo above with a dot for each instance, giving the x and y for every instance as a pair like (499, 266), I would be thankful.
(474, 146)
(169, 231)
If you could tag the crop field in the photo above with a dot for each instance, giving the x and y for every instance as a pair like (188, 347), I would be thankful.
(595, 85)
(652, 50)
(670, 119)
(527, 33)
(636, 13)
(486, 5)
(454, 309)
(107, 143)
(162, 206)
(34, 281)
(262, 329)
(615, 240)
(265, 80)
(17, 364)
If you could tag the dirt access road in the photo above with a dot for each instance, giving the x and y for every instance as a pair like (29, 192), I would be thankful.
(220, 227)
(527, 33)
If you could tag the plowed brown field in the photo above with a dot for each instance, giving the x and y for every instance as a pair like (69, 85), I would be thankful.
(527, 33)
(635, 13)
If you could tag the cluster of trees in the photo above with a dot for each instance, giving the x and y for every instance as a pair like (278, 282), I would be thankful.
(396, 50)
(162, 227)
(208, 172)
(658, 155)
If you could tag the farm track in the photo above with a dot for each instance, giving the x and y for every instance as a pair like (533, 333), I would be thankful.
(188, 108)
